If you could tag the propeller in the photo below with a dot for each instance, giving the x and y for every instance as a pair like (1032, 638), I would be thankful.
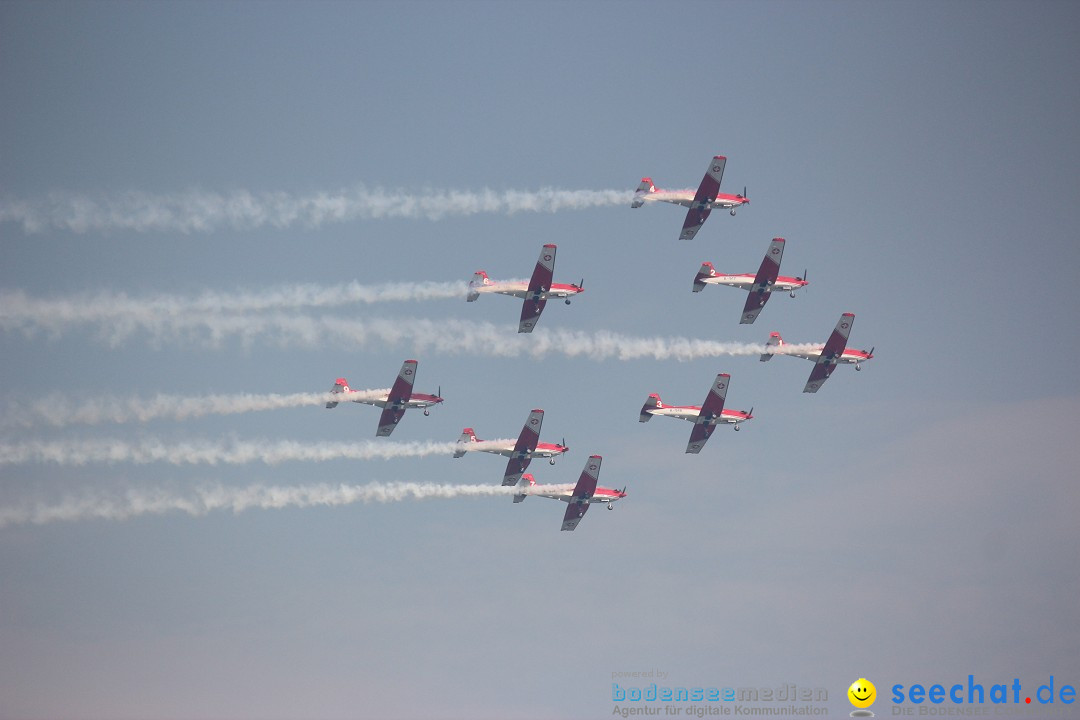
(871, 353)
(579, 286)
(740, 197)
(803, 278)
(438, 394)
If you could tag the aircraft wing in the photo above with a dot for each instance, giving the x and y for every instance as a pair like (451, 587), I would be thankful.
(573, 515)
(583, 492)
(834, 348)
(695, 218)
(710, 409)
(544, 270)
(714, 401)
(586, 484)
(698, 437)
(703, 199)
(755, 301)
(763, 281)
(523, 450)
(514, 468)
(397, 398)
(539, 284)
(714, 176)
(770, 264)
(818, 376)
(530, 313)
(389, 419)
(402, 389)
(837, 342)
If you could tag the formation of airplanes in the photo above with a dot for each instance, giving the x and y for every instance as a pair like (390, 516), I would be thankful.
(705, 418)
(759, 285)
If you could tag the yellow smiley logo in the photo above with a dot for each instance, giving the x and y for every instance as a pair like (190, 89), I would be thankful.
(862, 693)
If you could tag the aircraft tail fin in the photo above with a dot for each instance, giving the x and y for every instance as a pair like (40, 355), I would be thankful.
(479, 279)
(526, 482)
(775, 341)
(650, 404)
(467, 436)
(642, 192)
(707, 271)
(341, 385)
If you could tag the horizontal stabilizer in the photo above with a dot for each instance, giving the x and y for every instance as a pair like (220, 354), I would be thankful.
(642, 192)
(468, 436)
(479, 280)
(707, 271)
(526, 481)
(775, 341)
(341, 385)
(651, 404)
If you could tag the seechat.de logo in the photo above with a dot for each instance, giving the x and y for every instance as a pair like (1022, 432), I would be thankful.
(862, 694)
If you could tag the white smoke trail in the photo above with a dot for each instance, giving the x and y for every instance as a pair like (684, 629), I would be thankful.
(74, 408)
(464, 337)
(199, 501)
(444, 336)
(236, 452)
(17, 310)
(199, 211)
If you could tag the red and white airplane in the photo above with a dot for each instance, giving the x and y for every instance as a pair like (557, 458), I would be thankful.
(535, 293)
(521, 453)
(826, 357)
(760, 286)
(579, 498)
(705, 418)
(393, 402)
(707, 198)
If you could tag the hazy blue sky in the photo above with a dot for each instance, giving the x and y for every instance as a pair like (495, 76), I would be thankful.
(915, 522)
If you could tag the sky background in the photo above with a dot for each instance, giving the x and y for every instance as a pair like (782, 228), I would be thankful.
(915, 522)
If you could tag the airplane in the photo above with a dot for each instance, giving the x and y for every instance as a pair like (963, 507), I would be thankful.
(521, 453)
(393, 402)
(705, 418)
(760, 286)
(826, 357)
(536, 293)
(707, 198)
(578, 499)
